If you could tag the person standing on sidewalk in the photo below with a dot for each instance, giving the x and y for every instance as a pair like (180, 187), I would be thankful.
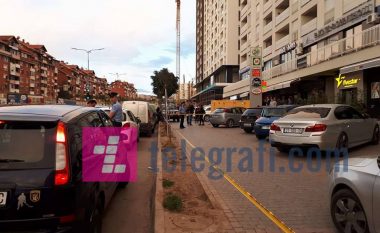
(116, 113)
(201, 115)
(182, 113)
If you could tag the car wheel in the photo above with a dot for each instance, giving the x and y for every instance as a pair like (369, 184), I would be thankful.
(206, 118)
(215, 125)
(94, 221)
(261, 137)
(347, 212)
(248, 130)
(230, 123)
(376, 136)
(342, 142)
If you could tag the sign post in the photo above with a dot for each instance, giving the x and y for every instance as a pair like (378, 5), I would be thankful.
(255, 93)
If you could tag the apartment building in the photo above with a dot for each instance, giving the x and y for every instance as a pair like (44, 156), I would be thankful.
(313, 50)
(126, 90)
(217, 48)
(29, 73)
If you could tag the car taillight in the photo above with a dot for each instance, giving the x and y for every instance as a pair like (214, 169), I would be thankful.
(275, 127)
(127, 125)
(316, 128)
(61, 156)
(226, 110)
(67, 219)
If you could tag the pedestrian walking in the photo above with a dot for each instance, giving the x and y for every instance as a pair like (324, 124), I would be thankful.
(201, 115)
(159, 117)
(273, 102)
(190, 111)
(182, 112)
(116, 113)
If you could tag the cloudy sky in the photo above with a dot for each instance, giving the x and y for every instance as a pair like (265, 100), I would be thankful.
(138, 35)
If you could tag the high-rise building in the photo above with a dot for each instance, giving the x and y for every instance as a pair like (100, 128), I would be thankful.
(313, 50)
(217, 48)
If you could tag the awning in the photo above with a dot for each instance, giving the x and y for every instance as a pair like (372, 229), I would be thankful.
(245, 94)
(360, 66)
(279, 86)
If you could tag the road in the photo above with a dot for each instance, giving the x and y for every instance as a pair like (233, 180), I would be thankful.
(300, 199)
(131, 209)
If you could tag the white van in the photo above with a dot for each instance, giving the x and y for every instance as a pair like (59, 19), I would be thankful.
(145, 112)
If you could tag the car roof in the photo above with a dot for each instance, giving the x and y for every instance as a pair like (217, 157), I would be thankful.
(43, 112)
(47, 110)
(324, 105)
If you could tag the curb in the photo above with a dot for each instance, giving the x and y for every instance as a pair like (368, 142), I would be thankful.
(159, 213)
(212, 194)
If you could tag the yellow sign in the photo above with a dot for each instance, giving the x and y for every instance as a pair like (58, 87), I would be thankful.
(343, 82)
(229, 104)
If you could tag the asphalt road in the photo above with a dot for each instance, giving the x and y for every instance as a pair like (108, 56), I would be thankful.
(299, 197)
(131, 209)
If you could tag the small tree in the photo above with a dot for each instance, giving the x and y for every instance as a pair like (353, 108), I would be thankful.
(163, 78)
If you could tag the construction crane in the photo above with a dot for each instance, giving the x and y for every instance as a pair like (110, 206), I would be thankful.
(178, 30)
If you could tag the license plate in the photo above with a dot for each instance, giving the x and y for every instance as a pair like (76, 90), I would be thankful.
(3, 198)
(247, 125)
(293, 130)
(266, 127)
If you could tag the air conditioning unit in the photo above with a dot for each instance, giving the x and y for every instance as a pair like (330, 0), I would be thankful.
(373, 18)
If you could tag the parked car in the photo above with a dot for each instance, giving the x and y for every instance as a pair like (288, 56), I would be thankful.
(354, 195)
(145, 112)
(325, 126)
(226, 116)
(41, 188)
(248, 119)
(129, 120)
(174, 115)
(268, 115)
(207, 109)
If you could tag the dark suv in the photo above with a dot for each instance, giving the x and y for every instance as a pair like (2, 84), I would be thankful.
(41, 188)
(247, 120)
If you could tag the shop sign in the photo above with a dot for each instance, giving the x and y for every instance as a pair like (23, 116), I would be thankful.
(338, 25)
(256, 86)
(342, 82)
(288, 47)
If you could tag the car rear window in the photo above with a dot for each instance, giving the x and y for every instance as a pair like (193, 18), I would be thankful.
(308, 113)
(273, 112)
(27, 144)
(255, 111)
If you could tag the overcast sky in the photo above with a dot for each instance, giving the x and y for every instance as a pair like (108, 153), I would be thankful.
(138, 35)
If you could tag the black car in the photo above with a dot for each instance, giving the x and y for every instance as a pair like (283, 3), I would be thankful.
(41, 188)
(247, 120)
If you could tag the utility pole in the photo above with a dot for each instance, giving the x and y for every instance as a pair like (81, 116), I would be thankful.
(178, 30)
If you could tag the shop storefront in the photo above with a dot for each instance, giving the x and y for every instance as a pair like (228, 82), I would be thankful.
(359, 85)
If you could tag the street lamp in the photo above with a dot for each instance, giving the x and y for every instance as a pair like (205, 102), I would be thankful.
(88, 54)
(88, 67)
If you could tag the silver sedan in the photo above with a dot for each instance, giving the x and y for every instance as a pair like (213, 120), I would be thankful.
(325, 126)
(355, 195)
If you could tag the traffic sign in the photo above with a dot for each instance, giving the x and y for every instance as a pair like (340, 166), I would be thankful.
(256, 61)
(256, 72)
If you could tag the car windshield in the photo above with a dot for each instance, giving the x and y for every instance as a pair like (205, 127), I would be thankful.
(273, 112)
(26, 143)
(308, 113)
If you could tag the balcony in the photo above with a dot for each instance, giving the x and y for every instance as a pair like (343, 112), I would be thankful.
(345, 46)
(284, 15)
(282, 42)
(309, 27)
(43, 74)
(31, 85)
(32, 77)
(268, 27)
(244, 46)
(44, 81)
(14, 90)
(267, 51)
(303, 2)
(17, 82)
(245, 28)
(14, 72)
(245, 8)
(267, 6)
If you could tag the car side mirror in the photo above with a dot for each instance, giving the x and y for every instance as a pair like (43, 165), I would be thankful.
(138, 120)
